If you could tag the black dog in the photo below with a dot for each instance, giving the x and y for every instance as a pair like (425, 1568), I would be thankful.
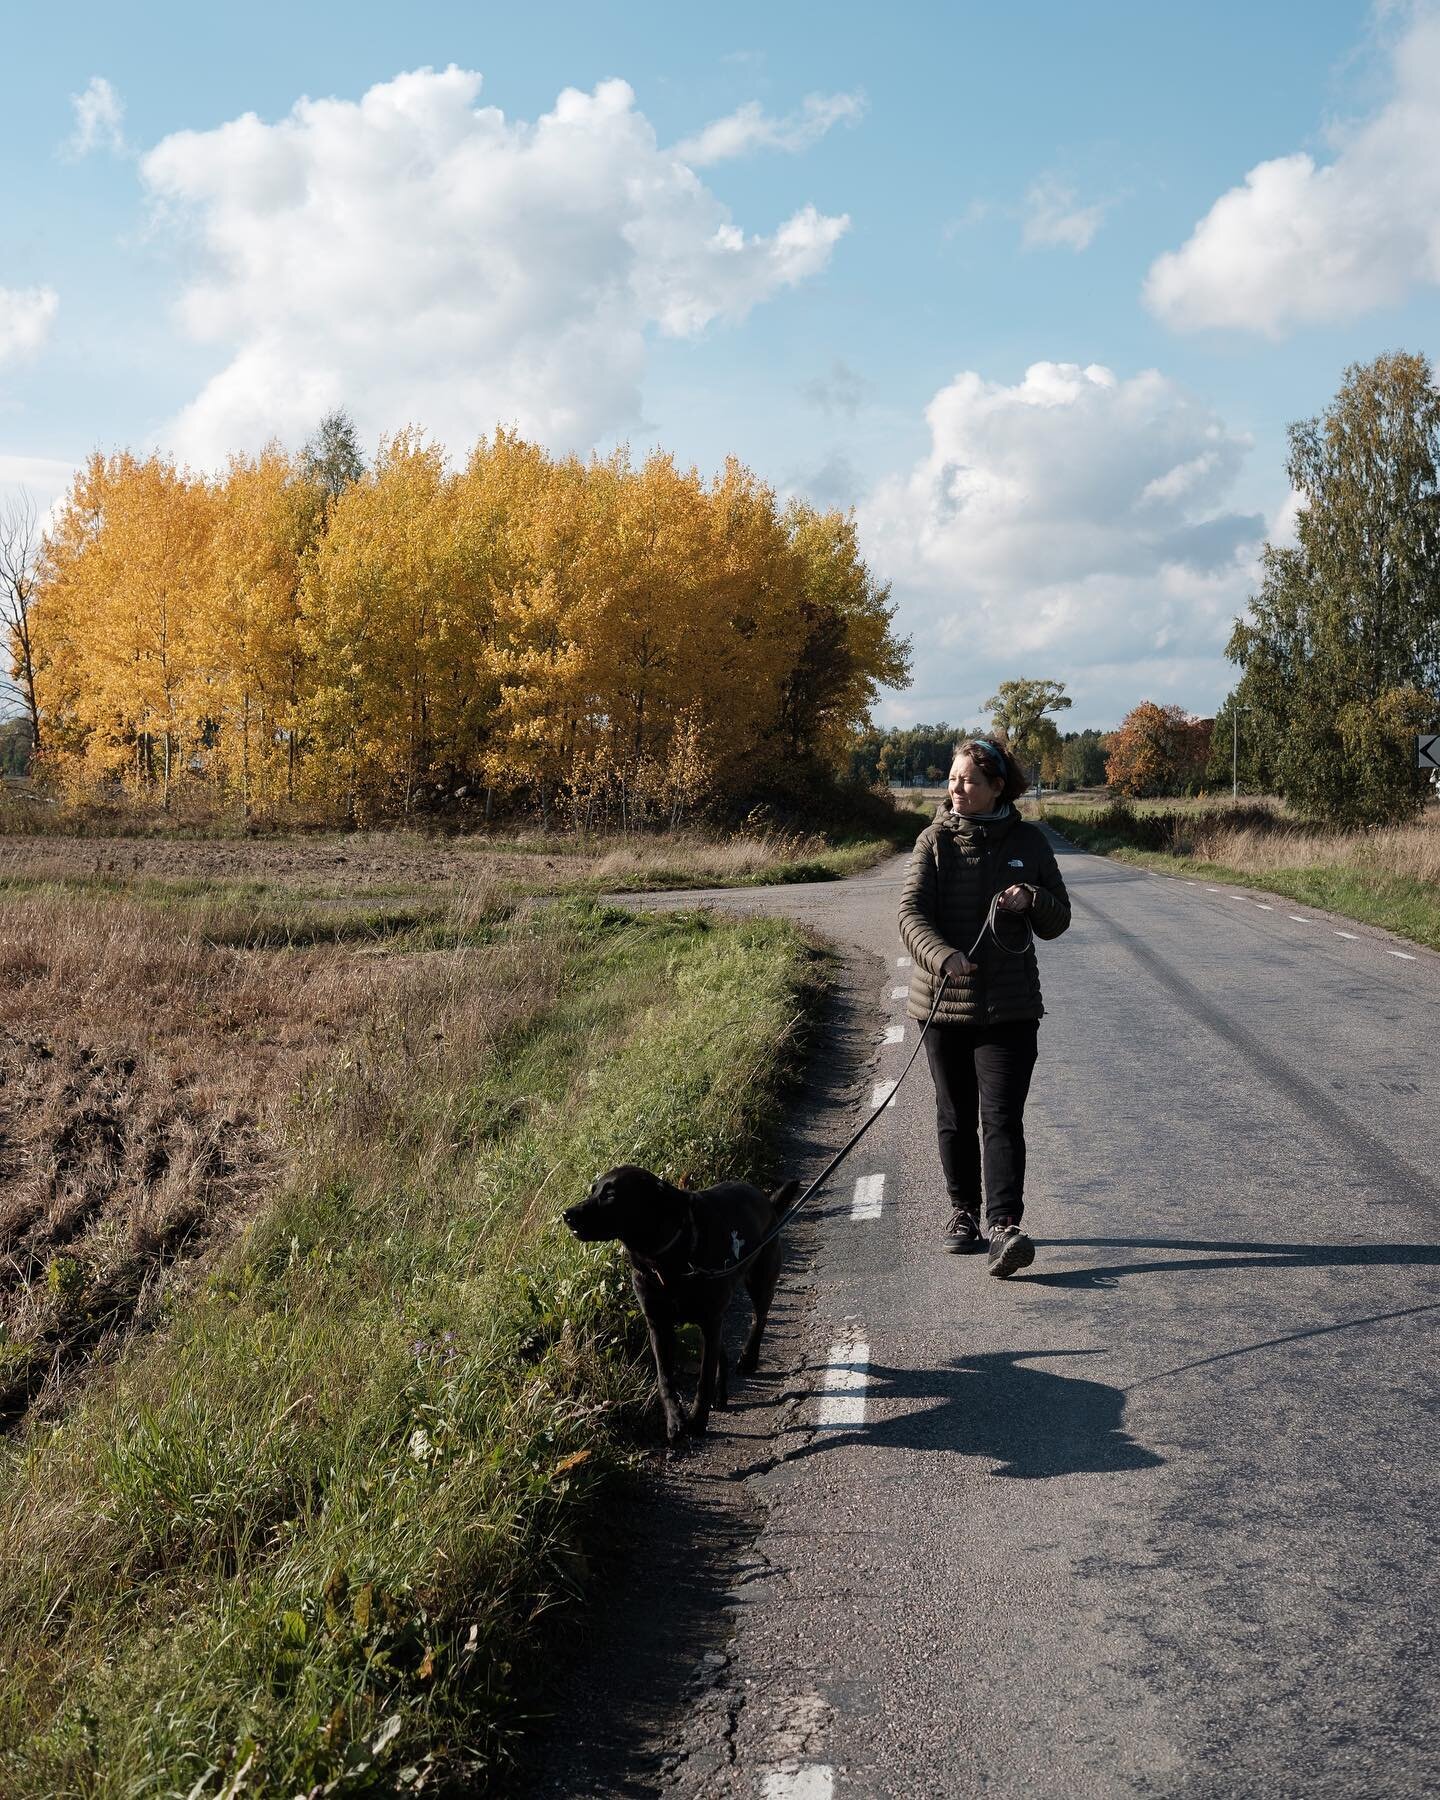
(672, 1236)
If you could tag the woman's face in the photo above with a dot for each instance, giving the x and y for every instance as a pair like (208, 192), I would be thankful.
(971, 789)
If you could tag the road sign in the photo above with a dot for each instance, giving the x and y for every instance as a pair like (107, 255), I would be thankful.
(1427, 752)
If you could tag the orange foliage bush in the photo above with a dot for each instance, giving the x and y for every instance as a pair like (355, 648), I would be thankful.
(1158, 750)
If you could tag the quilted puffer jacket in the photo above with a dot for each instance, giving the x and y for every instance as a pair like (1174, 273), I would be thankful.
(957, 867)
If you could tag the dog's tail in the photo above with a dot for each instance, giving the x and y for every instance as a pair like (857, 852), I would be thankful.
(783, 1199)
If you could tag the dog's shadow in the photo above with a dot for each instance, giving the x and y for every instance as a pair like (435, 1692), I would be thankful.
(1032, 1424)
(1186, 1256)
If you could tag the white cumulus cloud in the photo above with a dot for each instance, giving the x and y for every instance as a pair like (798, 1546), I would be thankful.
(99, 120)
(1301, 242)
(1073, 526)
(26, 315)
(750, 128)
(416, 257)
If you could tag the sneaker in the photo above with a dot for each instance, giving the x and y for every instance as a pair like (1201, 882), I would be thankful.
(1010, 1249)
(963, 1234)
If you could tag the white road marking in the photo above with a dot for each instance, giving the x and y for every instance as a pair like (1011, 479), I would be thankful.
(869, 1195)
(894, 1034)
(807, 1781)
(842, 1407)
(899, 993)
(1403, 953)
(1348, 934)
(882, 1094)
(903, 962)
(1263, 907)
(1298, 919)
(1212, 890)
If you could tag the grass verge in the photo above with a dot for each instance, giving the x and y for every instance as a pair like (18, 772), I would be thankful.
(1350, 881)
(298, 1537)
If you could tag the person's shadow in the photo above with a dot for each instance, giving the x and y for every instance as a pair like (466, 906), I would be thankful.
(1187, 1256)
(1029, 1422)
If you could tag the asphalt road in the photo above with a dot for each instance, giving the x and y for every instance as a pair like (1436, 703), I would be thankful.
(1158, 1517)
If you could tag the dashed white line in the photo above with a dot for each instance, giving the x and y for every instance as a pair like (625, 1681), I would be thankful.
(806, 1781)
(883, 1093)
(894, 1034)
(1299, 920)
(869, 1197)
(1404, 954)
(903, 962)
(842, 1407)
(1263, 907)
(899, 993)
(1212, 890)
(1348, 934)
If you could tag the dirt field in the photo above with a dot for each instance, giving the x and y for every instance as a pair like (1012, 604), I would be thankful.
(387, 862)
(390, 863)
(150, 1049)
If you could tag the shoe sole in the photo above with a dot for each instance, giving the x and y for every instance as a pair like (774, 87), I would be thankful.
(963, 1246)
(1018, 1254)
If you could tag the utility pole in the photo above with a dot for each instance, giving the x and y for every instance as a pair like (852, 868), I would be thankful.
(1235, 750)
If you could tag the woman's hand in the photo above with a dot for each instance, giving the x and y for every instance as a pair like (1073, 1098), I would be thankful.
(1015, 899)
(956, 964)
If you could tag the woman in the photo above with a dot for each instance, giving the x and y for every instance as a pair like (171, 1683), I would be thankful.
(982, 1044)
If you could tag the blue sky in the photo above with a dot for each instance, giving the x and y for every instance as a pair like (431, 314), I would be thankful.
(914, 266)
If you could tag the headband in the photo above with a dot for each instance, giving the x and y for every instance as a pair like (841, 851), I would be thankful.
(994, 750)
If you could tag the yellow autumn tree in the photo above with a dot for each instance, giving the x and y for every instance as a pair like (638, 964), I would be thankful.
(126, 585)
(386, 626)
(268, 517)
(520, 520)
(847, 646)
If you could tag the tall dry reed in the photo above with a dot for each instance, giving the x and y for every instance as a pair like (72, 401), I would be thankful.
(1412, 851)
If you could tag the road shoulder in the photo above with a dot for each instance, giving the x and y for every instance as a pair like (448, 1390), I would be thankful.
(647, 1697)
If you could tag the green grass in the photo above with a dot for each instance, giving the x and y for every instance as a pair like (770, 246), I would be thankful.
(302, 1537)
(1401, 904)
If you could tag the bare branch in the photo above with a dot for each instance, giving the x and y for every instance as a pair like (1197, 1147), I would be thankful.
(21, 541)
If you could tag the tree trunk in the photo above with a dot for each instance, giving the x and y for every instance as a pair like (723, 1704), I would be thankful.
(245, 757)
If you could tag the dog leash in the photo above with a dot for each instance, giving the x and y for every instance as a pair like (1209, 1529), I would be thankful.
(845, 1149)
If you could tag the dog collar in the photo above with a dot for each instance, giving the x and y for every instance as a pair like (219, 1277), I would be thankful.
(651, 1258)
(667, 1246)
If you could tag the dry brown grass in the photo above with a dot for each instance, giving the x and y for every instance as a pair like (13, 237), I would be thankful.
(1412, 851)
(395, 862)
(148, 1058)
(737, 858)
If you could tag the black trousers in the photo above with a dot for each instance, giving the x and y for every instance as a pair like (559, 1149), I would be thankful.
(982, 1076)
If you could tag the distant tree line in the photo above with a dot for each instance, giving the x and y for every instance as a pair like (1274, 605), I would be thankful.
(920, 755)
